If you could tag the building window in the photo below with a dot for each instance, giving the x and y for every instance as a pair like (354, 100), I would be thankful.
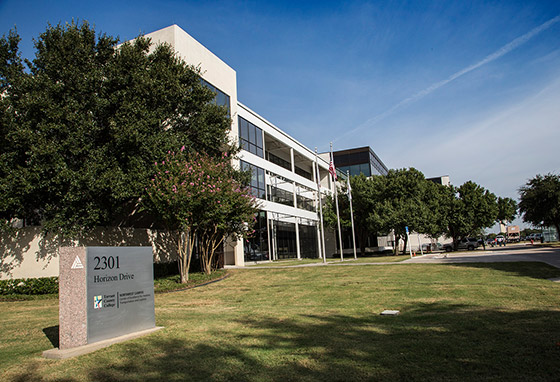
(258, 188)
(256, 246)
(305, 198)
(278, 195)
(285, 237)
(279, 161)
(305, 174)
(356, 169)
(220, 98)
(308, 241)
(250, 137)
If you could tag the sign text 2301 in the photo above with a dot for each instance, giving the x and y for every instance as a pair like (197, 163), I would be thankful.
(106, 262)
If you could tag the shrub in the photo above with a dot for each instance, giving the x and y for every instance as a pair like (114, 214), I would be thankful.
(42, 285)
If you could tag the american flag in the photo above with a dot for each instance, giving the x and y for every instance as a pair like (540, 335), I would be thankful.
(332, 170)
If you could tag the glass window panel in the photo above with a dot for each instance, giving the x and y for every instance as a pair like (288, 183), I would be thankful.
(260, 176)
(260, 152)
(252, 137)
(254, 179)
(365, 169)
(243, 130)
(259, 138)
(221, 98)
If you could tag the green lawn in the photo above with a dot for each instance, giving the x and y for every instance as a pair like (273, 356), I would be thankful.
(458, 322)
(336, 260)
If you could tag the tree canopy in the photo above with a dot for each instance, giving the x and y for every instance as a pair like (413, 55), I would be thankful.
(540, 201)
(404, 198)
(369, 206)
(471, 208)
(406, 195)
(83, 123)
(200, 197)
(507, 209)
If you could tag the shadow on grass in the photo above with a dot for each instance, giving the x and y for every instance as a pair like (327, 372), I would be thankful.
(52, 334)
(425, 342)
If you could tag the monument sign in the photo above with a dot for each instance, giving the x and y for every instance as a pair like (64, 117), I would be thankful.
(104, 292)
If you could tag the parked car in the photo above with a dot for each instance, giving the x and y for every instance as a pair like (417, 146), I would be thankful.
(469, 244)
(427, 247)
(535, 236)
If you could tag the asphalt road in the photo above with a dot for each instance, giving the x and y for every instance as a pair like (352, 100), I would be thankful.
(510, 253)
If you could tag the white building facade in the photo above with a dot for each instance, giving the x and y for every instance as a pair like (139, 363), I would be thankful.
(284, 172)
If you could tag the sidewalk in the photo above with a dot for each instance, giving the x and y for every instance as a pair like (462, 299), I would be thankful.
(546, 255)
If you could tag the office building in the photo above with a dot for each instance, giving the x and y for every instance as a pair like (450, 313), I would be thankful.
(283, 169)
(362, 160)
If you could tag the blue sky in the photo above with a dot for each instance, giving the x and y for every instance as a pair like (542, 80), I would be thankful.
(465, 89)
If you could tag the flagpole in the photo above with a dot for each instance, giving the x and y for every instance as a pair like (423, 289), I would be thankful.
(333, 175)
(351, 213)
(318, 178)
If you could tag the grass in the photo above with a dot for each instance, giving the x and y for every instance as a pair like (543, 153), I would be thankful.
(378, 259)
(171, 283)
(464, 322)
(336, 260)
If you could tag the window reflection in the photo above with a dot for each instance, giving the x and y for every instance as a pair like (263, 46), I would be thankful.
(250, 137)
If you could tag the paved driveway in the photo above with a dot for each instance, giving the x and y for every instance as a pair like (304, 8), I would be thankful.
(510, 253)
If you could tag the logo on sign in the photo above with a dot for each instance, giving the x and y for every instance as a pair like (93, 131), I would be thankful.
(77, 264)
(97, 302)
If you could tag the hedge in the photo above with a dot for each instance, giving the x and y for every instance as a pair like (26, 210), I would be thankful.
(43, 285)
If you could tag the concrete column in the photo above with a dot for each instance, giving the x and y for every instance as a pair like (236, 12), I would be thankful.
(314, 172)
(298, 249)
(238, 254)
(319, 245)
(292, 159)
(273, 240)
(294, 188)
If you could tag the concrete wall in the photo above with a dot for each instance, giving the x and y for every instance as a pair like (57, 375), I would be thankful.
(28, 253)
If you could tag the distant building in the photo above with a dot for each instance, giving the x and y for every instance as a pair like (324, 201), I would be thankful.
(443, 180)
(361, 160)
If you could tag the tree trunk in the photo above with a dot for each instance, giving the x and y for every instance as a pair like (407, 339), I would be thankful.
(396, 248)
(455, 243)
(405, 244)
(210, 243)
(185, 241)
(362, 239)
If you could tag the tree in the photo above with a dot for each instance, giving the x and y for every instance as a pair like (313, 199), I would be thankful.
(369, 207)
(83, 125)
(439, 200)
(471, 208)
(405, 192)
(201, 197)
(507, 209)
(540, 201)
